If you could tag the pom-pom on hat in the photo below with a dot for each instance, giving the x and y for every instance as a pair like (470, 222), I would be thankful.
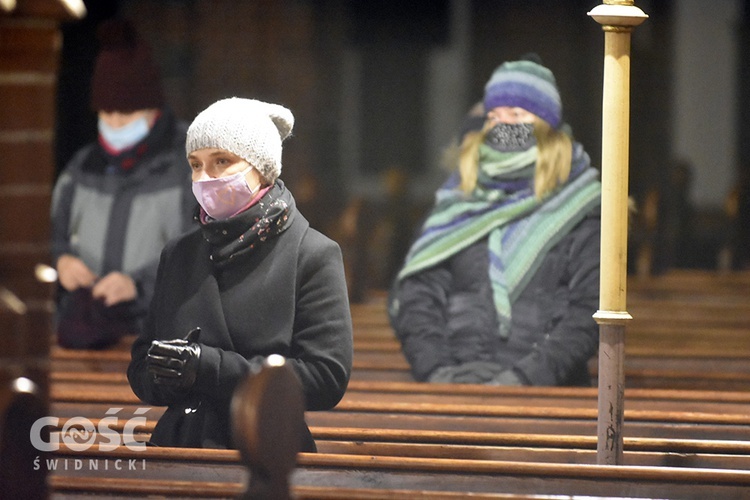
(125, 77)
(526, 84)
(251, 129)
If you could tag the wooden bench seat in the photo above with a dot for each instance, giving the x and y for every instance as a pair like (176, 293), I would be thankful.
(493, 420)
(81, 488)
(477, 418)
(387, 473)
(694, 310)
(690, 330)
(678, 364)
(113, 387)
(393, 437)
(704, 453)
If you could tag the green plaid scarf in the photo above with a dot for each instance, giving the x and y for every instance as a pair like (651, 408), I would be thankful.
(521, 229)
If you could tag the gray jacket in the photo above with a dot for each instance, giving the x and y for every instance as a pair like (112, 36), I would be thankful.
(119, 219)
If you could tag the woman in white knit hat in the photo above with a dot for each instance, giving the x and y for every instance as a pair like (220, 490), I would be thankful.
(255, 278)
(501, 284)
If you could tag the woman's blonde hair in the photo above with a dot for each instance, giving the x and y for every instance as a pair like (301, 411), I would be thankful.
(555, 154)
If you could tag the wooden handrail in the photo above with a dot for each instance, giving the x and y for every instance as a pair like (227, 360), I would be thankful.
(489, 410)
(417, 436)
(472, 466)
(622, 473)
(626, 473)
(713, 454)
(118, 379)
(229, 490)
(165, 487)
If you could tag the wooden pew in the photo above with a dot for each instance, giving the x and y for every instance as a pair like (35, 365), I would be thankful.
(80, 388)
(71, 488)
(712, 366)
(475, 427)
(424, 442)
(218, 470)
(702, 453)
(267, 418)
(491, 454)
(459, 463)
(84, 387)
(676, 414)
(359, 436)
(697, 281)
(682, 336)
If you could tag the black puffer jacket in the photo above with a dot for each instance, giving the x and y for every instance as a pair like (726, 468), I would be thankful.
(446, 316)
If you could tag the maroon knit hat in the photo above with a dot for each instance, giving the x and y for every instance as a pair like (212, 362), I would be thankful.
(125, 77)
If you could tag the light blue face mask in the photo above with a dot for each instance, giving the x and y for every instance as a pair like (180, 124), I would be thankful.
(126, 136)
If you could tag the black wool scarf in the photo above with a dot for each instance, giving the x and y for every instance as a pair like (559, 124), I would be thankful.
(242, 234)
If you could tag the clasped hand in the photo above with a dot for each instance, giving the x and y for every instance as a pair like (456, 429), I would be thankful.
(174, 363)
(475, 372)
(112, 289)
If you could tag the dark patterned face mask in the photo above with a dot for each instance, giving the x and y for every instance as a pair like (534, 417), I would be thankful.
(511, 137)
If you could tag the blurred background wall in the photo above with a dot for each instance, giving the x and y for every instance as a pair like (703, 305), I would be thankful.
(379, 90)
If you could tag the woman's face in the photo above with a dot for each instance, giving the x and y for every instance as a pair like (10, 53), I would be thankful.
(212, 163)
(508, 114)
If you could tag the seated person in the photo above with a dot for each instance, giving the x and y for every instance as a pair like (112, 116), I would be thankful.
(119, 200)
(501, 284)
(255, 278)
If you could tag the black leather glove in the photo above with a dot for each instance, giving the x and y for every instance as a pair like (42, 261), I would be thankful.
(174, 363)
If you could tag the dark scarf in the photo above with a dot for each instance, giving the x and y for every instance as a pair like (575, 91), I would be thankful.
(242, 234)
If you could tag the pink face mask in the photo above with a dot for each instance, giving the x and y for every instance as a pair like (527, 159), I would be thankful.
(224, 197)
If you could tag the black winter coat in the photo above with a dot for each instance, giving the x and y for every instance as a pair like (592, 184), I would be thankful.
(446, 315)
(289, 297)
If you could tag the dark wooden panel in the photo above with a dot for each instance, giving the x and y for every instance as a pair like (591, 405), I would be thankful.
(26, 162)
(29, 221)
(27, 107)
(28, 46)
(17, 271)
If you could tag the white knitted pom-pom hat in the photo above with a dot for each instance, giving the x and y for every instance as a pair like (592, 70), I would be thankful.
(251, 129)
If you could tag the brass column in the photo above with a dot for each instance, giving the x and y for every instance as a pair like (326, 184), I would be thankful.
(618, 18)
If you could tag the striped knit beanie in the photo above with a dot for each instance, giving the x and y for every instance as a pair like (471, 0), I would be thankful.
(251, 129)
(525, 84)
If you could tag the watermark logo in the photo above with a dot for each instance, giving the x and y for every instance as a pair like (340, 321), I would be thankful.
(92, 464)
(80, 433)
